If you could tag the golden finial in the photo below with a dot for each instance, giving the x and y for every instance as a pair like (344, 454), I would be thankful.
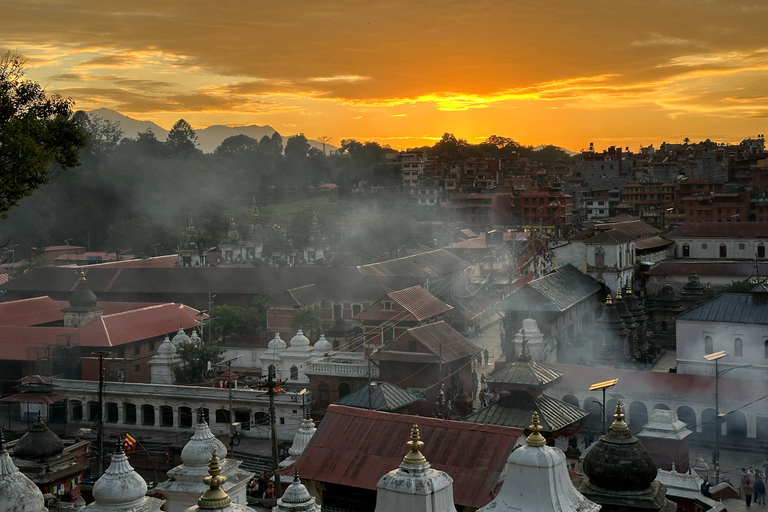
(618, 422)
(628, 290)
(315, 222)
(214, 497)
(255, 209)
(82, 275)
(535, 438)
(618, 294)
(414, 457)
(608, 300)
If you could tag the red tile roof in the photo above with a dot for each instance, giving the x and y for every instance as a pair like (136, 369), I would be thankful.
(22, 343)
(356, 447)
(720, 230)
(43, 310)
(439, 338)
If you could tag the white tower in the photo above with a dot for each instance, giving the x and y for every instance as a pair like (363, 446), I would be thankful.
(415, 486)
(163, 362)
(300, 441)
(120, 488)
(530, 332)
(185, 482)
(295, 357)
(537, 480)
(296, 498)
(272, 357)
(17, 492)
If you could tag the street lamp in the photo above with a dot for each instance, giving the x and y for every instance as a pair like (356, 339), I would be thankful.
(716, 356)
(603, 385)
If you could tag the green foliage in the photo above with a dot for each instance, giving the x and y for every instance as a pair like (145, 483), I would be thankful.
(236, 145)
(35, 131)
(140, 235)
(194, 360)
(182, 139)
(234, 320)
(309, 319)
(735, 287)
(103, 135)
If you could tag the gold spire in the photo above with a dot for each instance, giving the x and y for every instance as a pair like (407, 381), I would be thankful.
(618, 294)
(618, 422)
(414, 457)
(629, 290)
(608, 300)
(214, 497)
(255, 209)
(535, 438)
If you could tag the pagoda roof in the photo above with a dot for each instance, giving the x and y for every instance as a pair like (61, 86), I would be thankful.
(525, 372)
(384, 397)
(556, 417)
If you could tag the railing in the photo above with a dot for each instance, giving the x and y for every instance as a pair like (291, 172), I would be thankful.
(349, 365)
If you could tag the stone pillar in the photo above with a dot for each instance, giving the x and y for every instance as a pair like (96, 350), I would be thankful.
(175, 417)
(120, 413)
(139, 414)
(158, 416)
(751, 426)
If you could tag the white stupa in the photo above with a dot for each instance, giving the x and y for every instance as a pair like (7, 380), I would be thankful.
(215, 498)
(295, 357)
(415, 486)
(530, 332)
(185, 482)
(17, 492)
(322, 347)
(163, 362)
(180, 337)
(296, 498)
(272, 356)
(121, 489)
(537, 480)
(300, 441)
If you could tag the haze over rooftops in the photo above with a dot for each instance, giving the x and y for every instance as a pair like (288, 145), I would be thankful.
(720, 230)
(435, 263)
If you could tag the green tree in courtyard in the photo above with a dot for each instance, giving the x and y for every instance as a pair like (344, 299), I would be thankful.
(309, 319)
(194, 360)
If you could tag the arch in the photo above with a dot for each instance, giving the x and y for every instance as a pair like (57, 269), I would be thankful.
(761, 250)
(736, 424)
(323, 396)
(111, 414)
(93, 411)
(294, 372)
(260, 418)
(687, 415)
(662, 406)
(243, 416)
(166, 416)
(723, 251)
(222, 416)
(708, 423)
(686, 250)
(738, 347)
(709, 345)
(570, 399)
(638, 415)
(129, 410)
(147, 414)
(77, 410)
(599, 257)
(185, 417)
(344, 389)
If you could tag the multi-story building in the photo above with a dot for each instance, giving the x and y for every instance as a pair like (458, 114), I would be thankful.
(480, 210)
(412, 164)
(546, 209)
(652, 202)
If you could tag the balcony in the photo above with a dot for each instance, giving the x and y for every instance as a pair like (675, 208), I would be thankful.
(348, 364)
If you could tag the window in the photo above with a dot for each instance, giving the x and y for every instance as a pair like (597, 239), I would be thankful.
(723, 251)
(664, 326)
(703, 246)
(599, 257)
(387, 305)
(356, 309)
(765, 349)
(294, 373)
(136, 368)
(388, 334)
(686, 250)
(741, 247)
(760, 250)
(337, 311)
(412, 346)
(738, 347)
(708, 345)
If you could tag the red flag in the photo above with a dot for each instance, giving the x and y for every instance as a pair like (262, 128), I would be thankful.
(129, 444)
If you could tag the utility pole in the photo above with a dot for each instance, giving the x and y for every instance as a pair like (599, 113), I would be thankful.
(101, 354)
(275, 454)
(232, 433)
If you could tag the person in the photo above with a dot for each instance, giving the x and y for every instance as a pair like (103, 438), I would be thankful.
(743, 481)
(253, 488)
(573, 442)
(748, 491)
(485, 355)
(469, 331)
(759, 487)
(474, 384)
(270, 492)
(588, 439)
(705, 489)
(283, 453)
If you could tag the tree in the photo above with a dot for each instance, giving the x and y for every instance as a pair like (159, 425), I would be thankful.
(228, 320)
(297, 147)
(235, 145)
(194, 360)
(309, 319)
(35, 132)
(182, 139)
(103, 135)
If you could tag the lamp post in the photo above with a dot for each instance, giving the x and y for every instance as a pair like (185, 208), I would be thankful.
(603, 385)
(101, 354)
(716, 356)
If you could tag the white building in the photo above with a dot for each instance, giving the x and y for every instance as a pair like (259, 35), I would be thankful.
(734, 322)
(717, 240)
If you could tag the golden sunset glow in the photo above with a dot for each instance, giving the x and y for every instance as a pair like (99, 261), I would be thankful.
(403, 73)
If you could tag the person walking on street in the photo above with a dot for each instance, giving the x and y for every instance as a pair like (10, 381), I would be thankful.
(485, 356)
(748, 491)
(759, 487)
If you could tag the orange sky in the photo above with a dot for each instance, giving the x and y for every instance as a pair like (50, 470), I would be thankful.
(541, 72)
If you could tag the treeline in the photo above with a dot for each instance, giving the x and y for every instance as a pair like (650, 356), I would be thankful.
(139, 193)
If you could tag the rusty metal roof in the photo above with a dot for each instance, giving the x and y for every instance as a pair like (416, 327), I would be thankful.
(720, 230)
(729, 308)
(556, 291)
(384, 397)
(419, 302)
(527, 374)
(356, 447)
(432, 263)
(43, 310)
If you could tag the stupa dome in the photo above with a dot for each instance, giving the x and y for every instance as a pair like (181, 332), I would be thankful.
(17, 492)
(199, 449)
(276, 343)
(299, 340)
(181, 337)
(38, 443)
(120, 485)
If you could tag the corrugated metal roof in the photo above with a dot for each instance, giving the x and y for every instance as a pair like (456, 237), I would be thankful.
(526, 373)
(557, 291)
(439, 340)
(433, 263)
(742, 269)
(305, 295)
(731, 308)
(652, 243)
(384, 397)
(420, 302)
(516, 411)
(356, 447)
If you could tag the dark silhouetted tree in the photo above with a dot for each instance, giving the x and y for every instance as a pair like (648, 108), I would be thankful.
(182, 139)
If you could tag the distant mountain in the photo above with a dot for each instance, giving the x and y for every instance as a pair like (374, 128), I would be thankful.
(542, 146)
(131, 127)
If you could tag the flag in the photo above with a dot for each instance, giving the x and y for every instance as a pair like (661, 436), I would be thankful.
(167, 456)
(130, 443)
